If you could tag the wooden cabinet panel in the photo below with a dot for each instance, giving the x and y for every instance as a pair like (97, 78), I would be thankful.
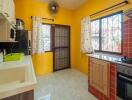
(11, 12)
(23, 96)
(1, 6)
(100, 75)
(5, 8)
(8, 10)
(7, 19)
(27, 96)
(4, 31)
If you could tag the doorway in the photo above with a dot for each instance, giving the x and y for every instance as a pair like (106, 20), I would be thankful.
(61, 47)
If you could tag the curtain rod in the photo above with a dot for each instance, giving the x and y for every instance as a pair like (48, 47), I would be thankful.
(124, 2)
(46, 18)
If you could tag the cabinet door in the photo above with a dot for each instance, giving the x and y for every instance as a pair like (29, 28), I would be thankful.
(5, 9)
(22, 96)
(99, 75)
(1, 5)
(27, 95)
(94, 73)
(11, 12)
(4, 31)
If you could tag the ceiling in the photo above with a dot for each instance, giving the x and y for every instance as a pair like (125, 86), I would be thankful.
(69, 4)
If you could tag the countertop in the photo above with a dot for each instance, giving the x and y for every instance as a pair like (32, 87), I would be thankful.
(109, 57)
(12, 87)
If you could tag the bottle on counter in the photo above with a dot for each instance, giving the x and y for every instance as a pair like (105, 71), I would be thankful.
(1, 56)
(4, 52)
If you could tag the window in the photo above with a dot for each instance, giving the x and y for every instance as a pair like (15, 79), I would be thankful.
(46, 29)
(107, 33)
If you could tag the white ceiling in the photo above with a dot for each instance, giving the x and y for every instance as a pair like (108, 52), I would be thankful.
(69, 4)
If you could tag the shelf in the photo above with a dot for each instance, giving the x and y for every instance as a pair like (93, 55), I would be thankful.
(8, 41)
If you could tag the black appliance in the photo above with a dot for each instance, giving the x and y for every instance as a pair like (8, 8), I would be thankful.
(8, 46)
(12, 33)
(19, 24)
(124, 82)
(22, 45)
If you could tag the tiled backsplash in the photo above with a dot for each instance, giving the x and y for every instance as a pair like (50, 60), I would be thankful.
(127, 38)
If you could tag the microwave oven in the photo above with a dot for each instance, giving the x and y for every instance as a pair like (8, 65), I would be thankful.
(12, 35)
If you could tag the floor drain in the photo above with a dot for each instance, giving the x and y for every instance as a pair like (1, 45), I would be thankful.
(47, 97)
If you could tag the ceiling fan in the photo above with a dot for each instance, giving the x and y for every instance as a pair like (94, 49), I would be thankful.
(53, 7)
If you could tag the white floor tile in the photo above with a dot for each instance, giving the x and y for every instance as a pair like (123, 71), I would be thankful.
(63, 85)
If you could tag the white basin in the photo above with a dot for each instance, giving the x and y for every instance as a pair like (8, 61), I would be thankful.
(12, 76)
(16, 77)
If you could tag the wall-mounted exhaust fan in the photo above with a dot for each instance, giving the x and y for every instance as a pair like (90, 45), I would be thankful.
(128, 13)
(53, 8)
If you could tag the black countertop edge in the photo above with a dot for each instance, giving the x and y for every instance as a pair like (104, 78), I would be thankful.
(109, 58)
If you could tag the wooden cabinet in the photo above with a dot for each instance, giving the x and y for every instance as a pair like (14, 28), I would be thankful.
(7, 20)
(23, 96)
(100, 75)
(7, 10)
(4, 31)
(12, 12)
(1, 6)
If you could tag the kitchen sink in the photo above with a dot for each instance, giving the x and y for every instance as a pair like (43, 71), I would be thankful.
(16, 77)
(10, 76)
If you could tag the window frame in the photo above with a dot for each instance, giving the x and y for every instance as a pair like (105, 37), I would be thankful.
(100, 33)
(50, 37)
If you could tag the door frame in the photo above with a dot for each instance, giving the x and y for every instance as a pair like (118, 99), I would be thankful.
(53, 43)
(69, 28)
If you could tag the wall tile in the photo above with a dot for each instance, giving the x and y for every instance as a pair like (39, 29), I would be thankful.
(113, 81)
(127, 38)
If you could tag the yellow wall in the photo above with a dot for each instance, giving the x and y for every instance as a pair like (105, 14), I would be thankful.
(43, 62)
(25, 9)
(88, 8)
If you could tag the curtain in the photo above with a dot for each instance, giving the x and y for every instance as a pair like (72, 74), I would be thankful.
(37, 36)
(86, 38)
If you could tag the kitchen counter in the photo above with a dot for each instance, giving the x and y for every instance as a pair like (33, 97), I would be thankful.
(109, 57)
(16, 77)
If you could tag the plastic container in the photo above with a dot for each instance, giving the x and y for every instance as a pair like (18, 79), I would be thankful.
(13, 57)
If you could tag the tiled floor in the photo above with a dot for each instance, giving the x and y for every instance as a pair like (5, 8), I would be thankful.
(63, 85)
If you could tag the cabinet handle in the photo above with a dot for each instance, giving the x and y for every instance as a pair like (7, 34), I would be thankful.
(6, 14)
(126, 78)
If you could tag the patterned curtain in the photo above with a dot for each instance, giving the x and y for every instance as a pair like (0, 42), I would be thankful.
(86, 39)
(37, 36)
